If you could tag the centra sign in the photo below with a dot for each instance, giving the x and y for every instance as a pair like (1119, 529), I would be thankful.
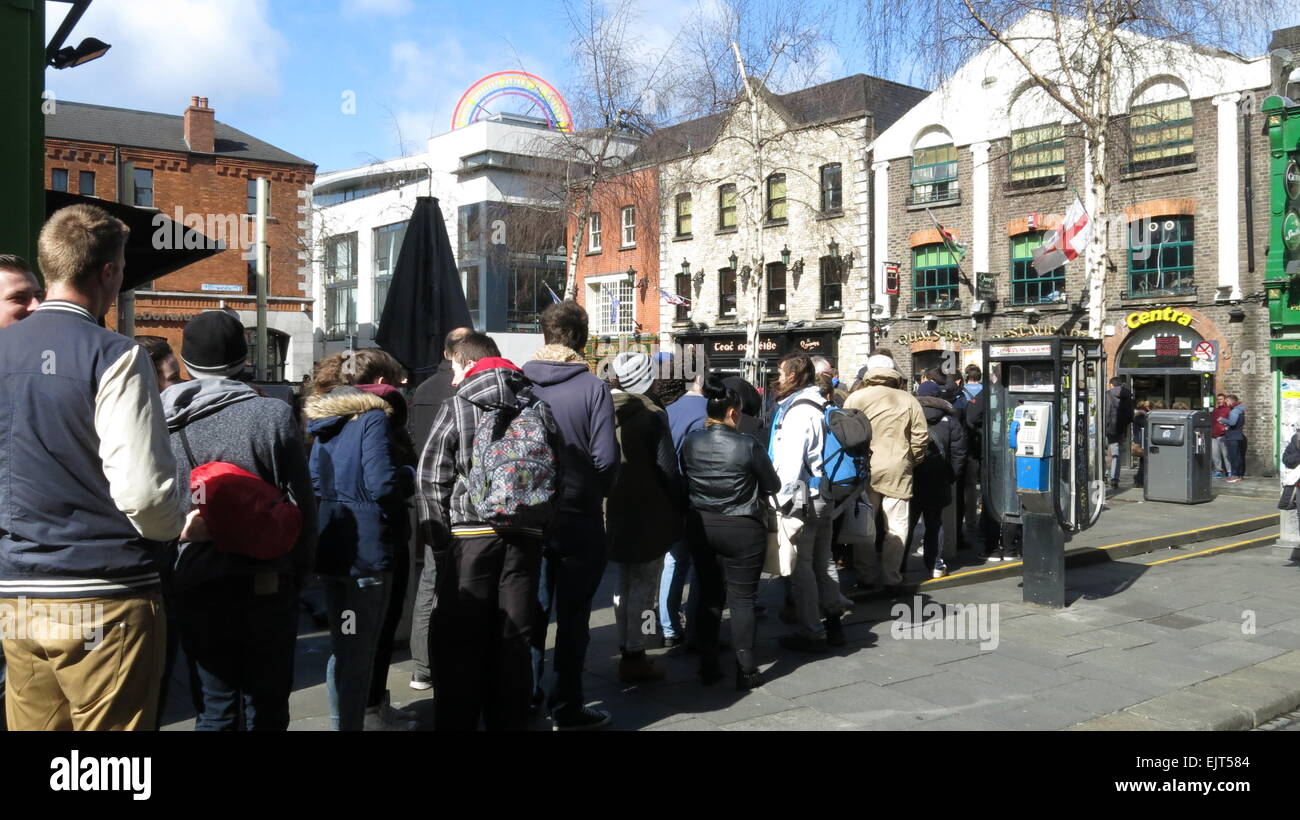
(1139, 318)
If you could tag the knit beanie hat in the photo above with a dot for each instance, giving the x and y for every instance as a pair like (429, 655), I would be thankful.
(634, 372)
(213, 345)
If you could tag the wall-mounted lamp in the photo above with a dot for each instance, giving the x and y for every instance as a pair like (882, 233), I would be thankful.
(835, 249)
(733, 259)
(785, 257)
(931, 320)
(1032, 314)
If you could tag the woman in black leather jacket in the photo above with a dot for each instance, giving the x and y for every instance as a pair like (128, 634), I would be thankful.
(728, 476)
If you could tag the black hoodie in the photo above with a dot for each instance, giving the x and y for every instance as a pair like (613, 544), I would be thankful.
(945, 456)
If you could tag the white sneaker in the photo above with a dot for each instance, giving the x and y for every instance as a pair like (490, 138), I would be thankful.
(939, 573)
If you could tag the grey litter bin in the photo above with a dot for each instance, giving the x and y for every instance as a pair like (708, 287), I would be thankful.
(1179, 460)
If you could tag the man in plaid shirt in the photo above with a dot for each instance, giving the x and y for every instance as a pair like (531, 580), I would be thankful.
(485, 598)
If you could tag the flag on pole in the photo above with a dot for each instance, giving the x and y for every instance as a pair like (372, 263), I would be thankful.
(674, 298)
(554, 298)
(949, 238)
(1066, 242)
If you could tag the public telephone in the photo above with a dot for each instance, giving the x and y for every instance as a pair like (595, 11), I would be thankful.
(1044, 448)
(1031, 439)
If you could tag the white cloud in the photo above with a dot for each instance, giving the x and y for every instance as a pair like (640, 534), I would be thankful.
(382, 8)
(164, 53)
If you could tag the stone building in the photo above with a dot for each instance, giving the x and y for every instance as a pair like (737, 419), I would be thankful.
(802, 219)
(989, 158)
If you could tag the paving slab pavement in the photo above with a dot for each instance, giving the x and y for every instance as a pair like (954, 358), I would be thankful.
(1208, 642)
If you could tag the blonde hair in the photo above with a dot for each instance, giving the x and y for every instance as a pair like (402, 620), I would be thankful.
(77, 241)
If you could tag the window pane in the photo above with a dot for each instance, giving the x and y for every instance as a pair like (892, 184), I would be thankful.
(776, 204)
(143, 187)
(831, 197)
(727, 206)
(86, 183)
(59, 179)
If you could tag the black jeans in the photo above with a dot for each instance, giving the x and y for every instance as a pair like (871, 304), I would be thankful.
(421, 612)
(242, 645)
(392, 617)
(730, 549)
(933, 528)
(482, 627)
(572, 566)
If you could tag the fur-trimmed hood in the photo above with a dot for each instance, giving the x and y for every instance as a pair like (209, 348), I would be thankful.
(882, 375)
(557, 353)
(327, 414)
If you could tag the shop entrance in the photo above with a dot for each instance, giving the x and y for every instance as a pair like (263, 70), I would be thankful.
(1156, 361)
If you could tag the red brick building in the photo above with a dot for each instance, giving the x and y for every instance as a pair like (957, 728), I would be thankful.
(618, 270)
(199, 172)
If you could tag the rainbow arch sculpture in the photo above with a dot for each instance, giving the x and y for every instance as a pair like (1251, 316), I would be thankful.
(472, 105)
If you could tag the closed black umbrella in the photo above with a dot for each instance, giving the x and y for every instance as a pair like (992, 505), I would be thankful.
(425, 300)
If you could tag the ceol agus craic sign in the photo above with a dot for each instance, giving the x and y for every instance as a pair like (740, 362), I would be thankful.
(1136, 319)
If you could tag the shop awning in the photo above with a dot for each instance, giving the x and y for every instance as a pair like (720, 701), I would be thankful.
(144, 262)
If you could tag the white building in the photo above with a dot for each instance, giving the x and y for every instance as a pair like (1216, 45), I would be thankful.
(497, 183)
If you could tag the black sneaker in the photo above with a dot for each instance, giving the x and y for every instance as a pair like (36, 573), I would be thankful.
(580, 720)
(421, 682)
(834, 631)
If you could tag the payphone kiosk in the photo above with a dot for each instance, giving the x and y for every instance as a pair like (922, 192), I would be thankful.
(1044, 448)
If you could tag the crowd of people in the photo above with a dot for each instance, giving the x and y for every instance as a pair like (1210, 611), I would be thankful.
(163, 515)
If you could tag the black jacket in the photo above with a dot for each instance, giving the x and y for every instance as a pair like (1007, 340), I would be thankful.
(727, 472)
(645, 512)
(945, 456)
(429, 396)
(1291, 457)
(1119, 413)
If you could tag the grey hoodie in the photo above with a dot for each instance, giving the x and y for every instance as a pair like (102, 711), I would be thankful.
(229, 421)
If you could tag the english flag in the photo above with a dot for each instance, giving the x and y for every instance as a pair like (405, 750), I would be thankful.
(1066, 242)
(673, 298)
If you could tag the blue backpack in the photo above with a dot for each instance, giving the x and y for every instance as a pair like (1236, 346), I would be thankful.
(846, 451)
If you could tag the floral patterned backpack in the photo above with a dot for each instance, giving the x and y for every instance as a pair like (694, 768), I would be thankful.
(514, 476)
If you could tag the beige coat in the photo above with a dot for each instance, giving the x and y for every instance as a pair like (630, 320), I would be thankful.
(899, 434)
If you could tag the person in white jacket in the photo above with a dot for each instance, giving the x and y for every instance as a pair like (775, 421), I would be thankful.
(798, 433)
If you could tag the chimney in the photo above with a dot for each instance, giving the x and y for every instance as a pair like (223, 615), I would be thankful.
(200, 126)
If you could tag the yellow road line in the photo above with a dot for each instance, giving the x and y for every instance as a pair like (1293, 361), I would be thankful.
(1213, 550)
(1004, 564)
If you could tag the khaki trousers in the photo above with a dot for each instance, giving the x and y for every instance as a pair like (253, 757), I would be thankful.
(883, 568)
(83, 663)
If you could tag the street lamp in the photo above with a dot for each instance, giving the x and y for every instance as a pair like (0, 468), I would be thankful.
(59, 56)
(785, 257)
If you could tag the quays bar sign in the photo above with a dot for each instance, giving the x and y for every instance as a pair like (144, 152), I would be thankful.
(1137, 319)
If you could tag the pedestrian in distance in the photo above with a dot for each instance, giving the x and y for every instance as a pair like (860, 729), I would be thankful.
(428, 398)
(937, 476)
(686, 414)
(576, 548)
(798, 438)
(1119, 423)
(1217, 429)
(729, 477)
(484, 514)
(237, 615)
(645, 512)
(88, 495)
(1234, 438)
(361, 486)
(899, 439)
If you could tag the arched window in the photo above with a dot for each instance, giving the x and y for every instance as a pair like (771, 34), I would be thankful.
(934, 283)
(1161, 256)
(1160, 127)
(934, 168)
(1037, 153)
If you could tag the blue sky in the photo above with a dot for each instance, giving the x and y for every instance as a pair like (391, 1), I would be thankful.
(278, 69)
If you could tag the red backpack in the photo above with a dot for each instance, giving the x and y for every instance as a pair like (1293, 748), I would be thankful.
(245, 514)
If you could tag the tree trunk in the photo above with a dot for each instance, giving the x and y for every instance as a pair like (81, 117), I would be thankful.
(1098, 248)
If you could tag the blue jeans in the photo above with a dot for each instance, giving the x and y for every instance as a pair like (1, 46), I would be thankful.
(677, 565)
(573, 562)
(356, 608)
(242, 646)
